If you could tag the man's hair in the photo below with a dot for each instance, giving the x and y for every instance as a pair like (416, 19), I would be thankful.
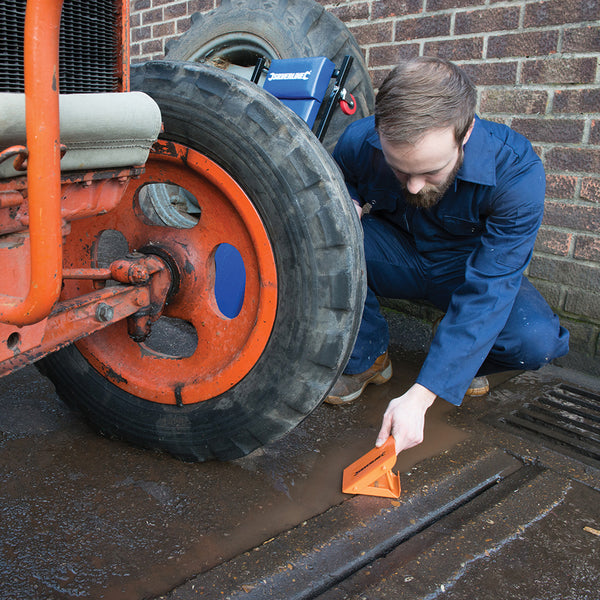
(421, 94)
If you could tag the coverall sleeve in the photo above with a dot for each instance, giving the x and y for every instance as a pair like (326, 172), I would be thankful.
(346, 155)
(480, 307)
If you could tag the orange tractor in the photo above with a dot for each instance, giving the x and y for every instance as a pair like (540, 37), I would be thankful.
(182, 261)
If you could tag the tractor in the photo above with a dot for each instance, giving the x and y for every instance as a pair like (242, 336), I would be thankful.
(178, 252)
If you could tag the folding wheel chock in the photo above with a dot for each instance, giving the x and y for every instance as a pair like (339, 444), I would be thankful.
(372, 474)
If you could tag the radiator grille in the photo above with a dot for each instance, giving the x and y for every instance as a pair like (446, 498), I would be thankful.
(89, 51)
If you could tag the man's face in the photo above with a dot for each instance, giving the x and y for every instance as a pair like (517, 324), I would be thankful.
(427, 168)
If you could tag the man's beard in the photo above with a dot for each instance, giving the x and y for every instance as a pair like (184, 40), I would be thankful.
(430, 195)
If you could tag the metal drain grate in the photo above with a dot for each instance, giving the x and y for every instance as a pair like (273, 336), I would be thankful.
(566, 416)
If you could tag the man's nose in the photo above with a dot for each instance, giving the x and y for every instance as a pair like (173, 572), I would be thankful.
(415, 183)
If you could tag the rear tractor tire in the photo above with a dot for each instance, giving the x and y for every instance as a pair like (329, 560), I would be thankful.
(226, 379)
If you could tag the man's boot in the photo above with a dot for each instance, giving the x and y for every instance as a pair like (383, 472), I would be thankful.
(349, 387)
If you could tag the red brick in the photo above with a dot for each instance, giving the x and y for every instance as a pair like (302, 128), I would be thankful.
(374, 33)
(396, 8)
(495, 73)
(141, 4)
(573, 159)
(559, 12)
(141, 33)
(551, 292)
(581, 39)
(565, 131)
(152, 16)
(530, 43)
(595, 133)
(353, 12)
(578, 302)
(495, 19)
(572, 216)
(566, 272)
(560, 70)
(501, 120)
(163, 29)
(590, 189)
(514, 101)
(200, 5)
(183, 25)
(576, 101)
(135, 20)
(459, 49)
(379, 76)
(587, 248)
(173, 11)
(423, 27)
(560, 186)
(553, 242)
(433, 5)
(383, 56)
(152, 47)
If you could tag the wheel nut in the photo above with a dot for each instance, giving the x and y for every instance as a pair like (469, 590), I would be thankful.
(104, 313)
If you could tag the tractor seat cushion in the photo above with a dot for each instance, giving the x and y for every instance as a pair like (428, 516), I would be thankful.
(100, 131)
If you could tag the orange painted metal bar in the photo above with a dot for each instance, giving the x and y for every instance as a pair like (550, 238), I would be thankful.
(124, 46)
(76, 318)
(42, 28)
(95, 274)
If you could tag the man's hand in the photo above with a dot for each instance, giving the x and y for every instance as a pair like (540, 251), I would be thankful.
(405, 418)
(358, 207)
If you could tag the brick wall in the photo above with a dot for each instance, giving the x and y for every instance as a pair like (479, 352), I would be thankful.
(536, 65)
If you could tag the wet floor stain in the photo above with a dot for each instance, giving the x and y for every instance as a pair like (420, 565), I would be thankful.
(87, 517)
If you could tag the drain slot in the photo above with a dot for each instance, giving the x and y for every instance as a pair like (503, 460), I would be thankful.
(565, 416)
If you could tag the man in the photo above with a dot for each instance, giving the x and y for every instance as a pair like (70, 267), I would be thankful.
(450, 205)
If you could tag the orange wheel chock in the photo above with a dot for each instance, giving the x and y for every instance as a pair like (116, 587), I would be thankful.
(372, 474)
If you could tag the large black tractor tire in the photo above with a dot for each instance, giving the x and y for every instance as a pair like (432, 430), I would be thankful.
(238, 32)
(316, 241)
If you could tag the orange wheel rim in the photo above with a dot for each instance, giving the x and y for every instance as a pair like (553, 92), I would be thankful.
(227, 348)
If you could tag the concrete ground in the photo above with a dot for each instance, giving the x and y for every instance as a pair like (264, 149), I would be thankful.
(496, 503)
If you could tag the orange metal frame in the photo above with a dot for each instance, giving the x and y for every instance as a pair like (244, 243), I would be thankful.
(36, 212)
(124, 47)
(43, 152)
(42, 26)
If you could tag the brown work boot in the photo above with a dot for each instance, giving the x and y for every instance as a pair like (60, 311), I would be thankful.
(480, 386)
(349, 387)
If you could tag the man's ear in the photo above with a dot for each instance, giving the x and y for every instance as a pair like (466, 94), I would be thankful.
(469, 131)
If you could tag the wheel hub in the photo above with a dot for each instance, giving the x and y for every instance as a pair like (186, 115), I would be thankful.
(224, 345)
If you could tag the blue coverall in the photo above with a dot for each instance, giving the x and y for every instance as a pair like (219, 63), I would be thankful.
(466, 255)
